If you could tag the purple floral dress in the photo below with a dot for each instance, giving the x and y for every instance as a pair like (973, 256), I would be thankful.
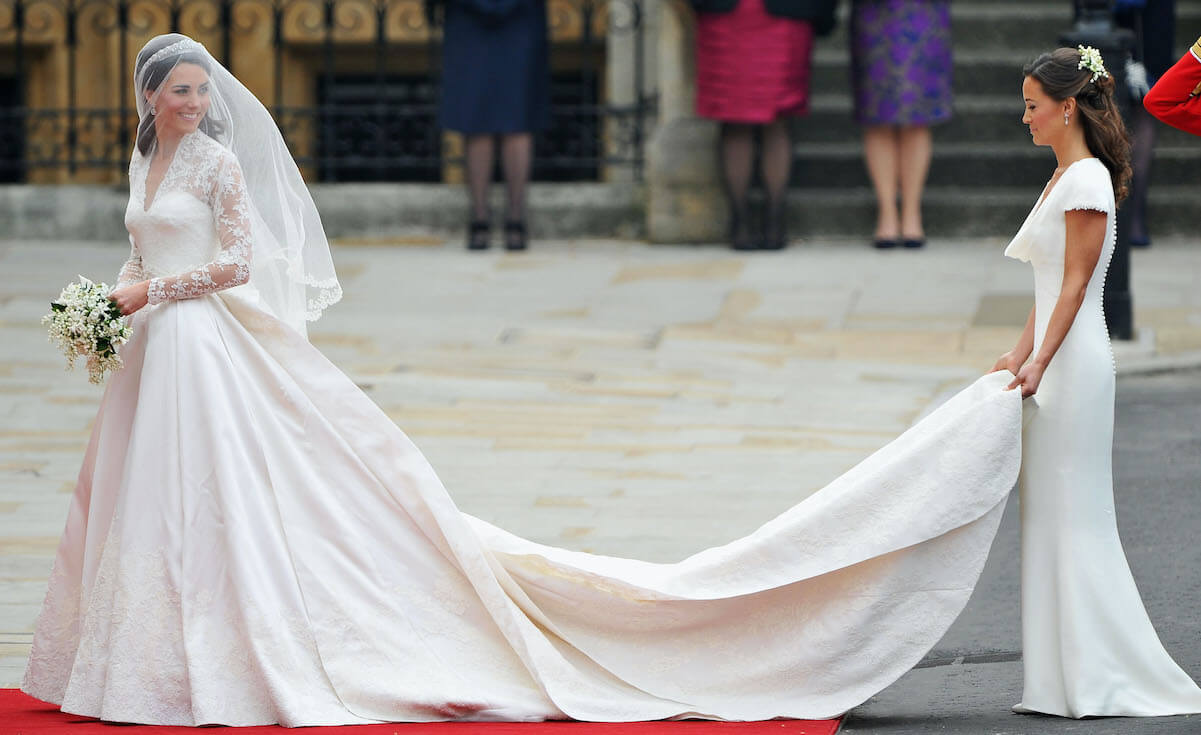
(901, 61)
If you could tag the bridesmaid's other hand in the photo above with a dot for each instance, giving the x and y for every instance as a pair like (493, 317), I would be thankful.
(1028, 377)
(1008, 361)
(131, 298)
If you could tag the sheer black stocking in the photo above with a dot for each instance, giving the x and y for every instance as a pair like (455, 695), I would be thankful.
(737, 161)
(516, 155)
(1141, 154)
(776, 164)
(480, 153)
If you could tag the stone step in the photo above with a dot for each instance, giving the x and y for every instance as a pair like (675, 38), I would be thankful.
(972, 165)
(975, 72)
(600, 210)
(955, 212)
(1022, 27)
(1005, 25)
(977, 118)
(613, 210)
(424, 214)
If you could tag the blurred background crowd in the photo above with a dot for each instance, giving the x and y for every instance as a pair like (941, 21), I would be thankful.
(881, 120)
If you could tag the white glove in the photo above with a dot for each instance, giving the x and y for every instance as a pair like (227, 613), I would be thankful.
(1136, 79)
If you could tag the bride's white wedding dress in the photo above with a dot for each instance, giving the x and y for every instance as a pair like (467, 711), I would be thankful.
(1088, 646)
(253, 541)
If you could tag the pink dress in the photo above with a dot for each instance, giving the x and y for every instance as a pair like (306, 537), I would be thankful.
(752, 67)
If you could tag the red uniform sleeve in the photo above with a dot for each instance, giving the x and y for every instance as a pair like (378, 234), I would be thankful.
(1176, 97)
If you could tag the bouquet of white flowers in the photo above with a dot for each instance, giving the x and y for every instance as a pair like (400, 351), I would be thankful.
(86, 323)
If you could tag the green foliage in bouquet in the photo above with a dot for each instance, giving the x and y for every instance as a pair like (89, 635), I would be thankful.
(85, 322)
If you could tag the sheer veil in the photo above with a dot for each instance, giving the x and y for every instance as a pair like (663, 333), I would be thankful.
(291, 266)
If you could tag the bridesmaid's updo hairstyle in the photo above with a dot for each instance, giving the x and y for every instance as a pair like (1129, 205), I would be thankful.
(154, 77)
(1061, 76)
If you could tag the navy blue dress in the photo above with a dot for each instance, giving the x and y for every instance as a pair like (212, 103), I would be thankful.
(495, 67)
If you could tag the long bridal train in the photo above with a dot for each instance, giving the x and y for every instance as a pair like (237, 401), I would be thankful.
(262, 544)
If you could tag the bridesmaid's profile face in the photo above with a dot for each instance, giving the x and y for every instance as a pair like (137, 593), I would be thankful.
(1042, 113)
(184, 100)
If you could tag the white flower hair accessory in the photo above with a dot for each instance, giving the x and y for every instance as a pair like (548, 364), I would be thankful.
(1090, 58)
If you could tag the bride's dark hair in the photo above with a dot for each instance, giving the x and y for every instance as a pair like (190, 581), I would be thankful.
(1060, 75)
(155, 75)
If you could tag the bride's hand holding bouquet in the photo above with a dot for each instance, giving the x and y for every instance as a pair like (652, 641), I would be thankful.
(131, 298)
(85, 322)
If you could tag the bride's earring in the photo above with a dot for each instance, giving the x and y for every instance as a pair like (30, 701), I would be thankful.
(154, 111)
(1066, 117)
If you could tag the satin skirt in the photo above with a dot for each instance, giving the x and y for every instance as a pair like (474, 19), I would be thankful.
(253, 541)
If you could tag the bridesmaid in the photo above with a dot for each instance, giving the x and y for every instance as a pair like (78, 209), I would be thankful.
(1088, 646)
(901, 74)
(752, 74)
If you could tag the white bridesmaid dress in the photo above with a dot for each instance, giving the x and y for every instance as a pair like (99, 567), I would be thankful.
(1088, 646)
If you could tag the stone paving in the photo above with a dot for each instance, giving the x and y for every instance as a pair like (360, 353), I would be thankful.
(609, 396)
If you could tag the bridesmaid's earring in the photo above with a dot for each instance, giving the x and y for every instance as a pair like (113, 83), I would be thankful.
(1066, 117)
(154, 111)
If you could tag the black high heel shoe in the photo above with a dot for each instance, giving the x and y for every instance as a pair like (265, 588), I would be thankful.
(740, 233)
(515, 235)
(775, 234)
(478, 234)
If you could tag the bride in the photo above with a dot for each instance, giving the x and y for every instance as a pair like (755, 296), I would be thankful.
(252, 541)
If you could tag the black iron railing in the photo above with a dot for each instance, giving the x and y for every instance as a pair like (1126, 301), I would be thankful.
(353, 84)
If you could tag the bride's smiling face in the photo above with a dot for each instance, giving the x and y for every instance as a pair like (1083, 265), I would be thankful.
(1044, 116)
(184, 100)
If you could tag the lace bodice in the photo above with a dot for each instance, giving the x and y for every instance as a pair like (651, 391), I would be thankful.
(193, 237)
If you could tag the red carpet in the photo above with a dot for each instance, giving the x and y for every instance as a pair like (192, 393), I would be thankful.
(23, 715)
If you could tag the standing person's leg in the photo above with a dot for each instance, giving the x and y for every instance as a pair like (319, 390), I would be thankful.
(881, 149)
(1142, 150)
(916, 149)
(737, 161)
(480, 153)
(517, 155)
(1154, 25)
(776, 164)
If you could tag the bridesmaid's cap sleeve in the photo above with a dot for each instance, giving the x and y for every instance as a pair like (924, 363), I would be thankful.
(1088, 186)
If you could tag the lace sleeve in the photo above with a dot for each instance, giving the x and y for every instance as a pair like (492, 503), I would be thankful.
(231, 213)
(131, 272)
